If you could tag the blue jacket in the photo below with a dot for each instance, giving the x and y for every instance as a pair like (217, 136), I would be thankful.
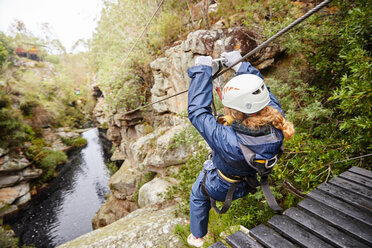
(223, 140)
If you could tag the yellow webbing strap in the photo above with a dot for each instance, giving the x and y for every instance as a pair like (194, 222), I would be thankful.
(226, 178)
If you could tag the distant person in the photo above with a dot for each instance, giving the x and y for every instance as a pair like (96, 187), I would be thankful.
(34, 53)
(254, 122)
(21, 52)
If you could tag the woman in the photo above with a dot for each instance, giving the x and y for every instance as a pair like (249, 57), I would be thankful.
(254, 123)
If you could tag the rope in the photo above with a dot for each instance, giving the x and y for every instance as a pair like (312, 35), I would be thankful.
(262, 45)
(139, 37)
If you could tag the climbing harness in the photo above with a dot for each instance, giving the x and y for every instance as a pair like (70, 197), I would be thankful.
(262, 45)
(263, 167)
(251, 184)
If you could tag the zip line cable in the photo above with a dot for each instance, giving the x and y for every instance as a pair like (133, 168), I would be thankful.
(281, 32)
(262, 45)
(139, 37)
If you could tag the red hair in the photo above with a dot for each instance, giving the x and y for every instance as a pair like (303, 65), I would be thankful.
(267, 115)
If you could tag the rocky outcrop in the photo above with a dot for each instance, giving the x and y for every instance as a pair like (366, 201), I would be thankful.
(111, 211)
(152, 192)
(55, 137)
(123, 185)
(144, 139)
(15, 173)
(144, 228)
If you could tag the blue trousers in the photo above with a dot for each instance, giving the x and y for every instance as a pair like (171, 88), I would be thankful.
(200, 204)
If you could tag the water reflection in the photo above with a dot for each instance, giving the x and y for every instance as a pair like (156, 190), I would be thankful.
(64, 211)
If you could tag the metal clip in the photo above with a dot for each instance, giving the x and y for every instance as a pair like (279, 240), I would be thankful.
(267, 161)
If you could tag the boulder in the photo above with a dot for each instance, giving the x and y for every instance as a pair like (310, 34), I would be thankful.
(50, 137)
(152, 192)
(64, 134)
(154, 150)
(113, 134)
(163, 155)
(31, 173)
(23, 199)
(111, 211)
(144, 228)
(170, 77)
(10, 194)
(3, 151)
(8, 163)
(123, 185)
(124, 182)
(10, 178)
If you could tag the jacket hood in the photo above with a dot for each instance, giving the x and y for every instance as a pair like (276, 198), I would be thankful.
(240, 128)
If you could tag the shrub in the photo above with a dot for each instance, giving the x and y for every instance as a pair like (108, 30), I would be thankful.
(112, 167)
(48, 162)
(13, 131)
(7, 240)
(75, 142)
(166, 29)
(3, 54)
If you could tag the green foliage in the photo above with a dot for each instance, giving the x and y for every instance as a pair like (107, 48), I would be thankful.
(7, 240)
(187, 137)
(49, 159)
(75, 142)
(186, 177)
(112, 167)
(13, 131)
(325, 90)
(182, 232)
(122, 63)
(53, 59)
(165, 30)
(44, 158)
(3, 54)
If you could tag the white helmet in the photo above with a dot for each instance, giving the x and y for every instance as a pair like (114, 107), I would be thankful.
(246, 93)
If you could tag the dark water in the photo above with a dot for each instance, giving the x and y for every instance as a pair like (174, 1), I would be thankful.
(65, 209)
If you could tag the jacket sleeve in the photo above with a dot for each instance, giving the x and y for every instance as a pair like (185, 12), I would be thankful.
(247, 68)
(200, 113)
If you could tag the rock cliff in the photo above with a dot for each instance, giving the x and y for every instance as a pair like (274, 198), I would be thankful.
(143, 139)
(16, 171)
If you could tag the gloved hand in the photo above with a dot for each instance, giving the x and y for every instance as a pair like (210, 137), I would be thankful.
(204, 60)
(231, 58)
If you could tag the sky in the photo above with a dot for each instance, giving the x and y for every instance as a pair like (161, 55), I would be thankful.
(70, 20)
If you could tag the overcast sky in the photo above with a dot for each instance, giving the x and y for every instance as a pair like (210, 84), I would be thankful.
(71, 20)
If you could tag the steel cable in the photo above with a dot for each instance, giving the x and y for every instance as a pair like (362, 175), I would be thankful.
(262, 45)
(139, 37)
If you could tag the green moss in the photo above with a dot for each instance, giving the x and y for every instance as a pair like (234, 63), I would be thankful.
(50, 159)
(75, 142)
